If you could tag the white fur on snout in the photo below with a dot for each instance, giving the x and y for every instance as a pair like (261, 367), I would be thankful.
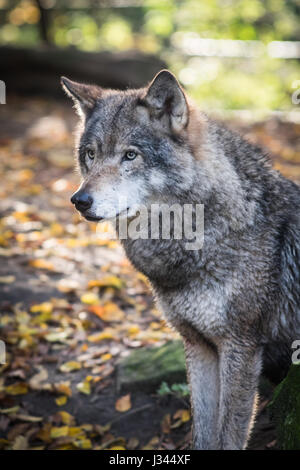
(112, 200)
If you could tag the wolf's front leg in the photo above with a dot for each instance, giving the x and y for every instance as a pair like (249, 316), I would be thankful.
(240, 366)
(203, 373)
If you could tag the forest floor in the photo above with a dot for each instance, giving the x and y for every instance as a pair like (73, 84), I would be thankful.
(72, 305)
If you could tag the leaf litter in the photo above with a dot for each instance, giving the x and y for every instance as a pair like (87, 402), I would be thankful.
(72, 305)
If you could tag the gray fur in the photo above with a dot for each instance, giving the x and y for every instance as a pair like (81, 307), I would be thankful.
(236, 302)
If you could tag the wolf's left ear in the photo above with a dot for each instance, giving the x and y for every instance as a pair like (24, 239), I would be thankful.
(84, 96)
(166, 99)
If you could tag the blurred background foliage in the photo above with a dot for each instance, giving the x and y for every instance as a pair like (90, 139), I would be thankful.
(229, 54)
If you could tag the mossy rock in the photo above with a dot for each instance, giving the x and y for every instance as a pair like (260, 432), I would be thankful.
(146, 368)
(285, 410)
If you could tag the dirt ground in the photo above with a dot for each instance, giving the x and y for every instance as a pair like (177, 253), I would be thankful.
(72, 306)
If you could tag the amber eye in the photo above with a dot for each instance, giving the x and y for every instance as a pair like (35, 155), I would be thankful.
(91, 154)
(130, 155)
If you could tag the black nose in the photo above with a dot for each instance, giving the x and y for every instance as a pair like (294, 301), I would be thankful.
(82, 200)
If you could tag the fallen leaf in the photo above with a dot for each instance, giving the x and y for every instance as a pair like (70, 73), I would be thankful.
(62, 400)
(123, 404)
(132, 443)
(64, 388)
(59, 431)
(110, 312)
(28, 418)
(70, 366)
(83, 444)
(19, 388)
(13, 409)
(42, 264)
(35, 381)
(107, 281)
(107, 333)
(166, 424)
(89, 298)
(45, 307)
(7, 279)
(84, 387)
(66, 417)
(20, 443)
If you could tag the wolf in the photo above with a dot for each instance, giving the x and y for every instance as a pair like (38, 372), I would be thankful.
(235, 301)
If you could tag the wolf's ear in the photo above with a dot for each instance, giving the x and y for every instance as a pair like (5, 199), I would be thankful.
(84, 96)
(165, 98)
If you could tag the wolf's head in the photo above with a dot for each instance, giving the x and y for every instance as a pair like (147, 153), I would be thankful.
(133, 147)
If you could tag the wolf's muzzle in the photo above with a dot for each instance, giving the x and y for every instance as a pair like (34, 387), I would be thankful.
(82, 200)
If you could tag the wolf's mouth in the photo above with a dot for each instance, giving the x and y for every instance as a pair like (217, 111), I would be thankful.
(92, 218)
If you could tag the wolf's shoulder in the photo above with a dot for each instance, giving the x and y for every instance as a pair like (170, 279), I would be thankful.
(253, 164)
(236, 146)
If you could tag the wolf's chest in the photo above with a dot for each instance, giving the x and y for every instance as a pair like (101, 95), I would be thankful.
(204, 309)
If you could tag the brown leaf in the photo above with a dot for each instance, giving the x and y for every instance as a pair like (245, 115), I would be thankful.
(166, 424)
(123, 404)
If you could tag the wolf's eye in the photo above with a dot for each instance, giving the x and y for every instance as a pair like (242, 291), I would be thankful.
(130, 155)
(91, 154)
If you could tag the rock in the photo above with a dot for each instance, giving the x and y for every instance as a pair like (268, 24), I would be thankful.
(146, 368)
(285, 410)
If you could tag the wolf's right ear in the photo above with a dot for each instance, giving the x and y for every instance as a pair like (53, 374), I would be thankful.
(84, 96)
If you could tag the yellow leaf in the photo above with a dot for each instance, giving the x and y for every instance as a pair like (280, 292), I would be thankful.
(45, 307)
(107, 333)
(57, 336)
(19, 388)
(56, 229)
(62, 400)
(89, 298)
(106, 357)
(84, 387)
(83, 444)
(133, 330)
(42, 264)
(59, 431)
(70, 366)
(186, 416)
(183, 415)
(76, 431)
(117, 448)
(66, 417)
(124, 403)
(108, 281)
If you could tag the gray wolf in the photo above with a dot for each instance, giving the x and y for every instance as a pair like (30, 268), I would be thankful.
(235, 301)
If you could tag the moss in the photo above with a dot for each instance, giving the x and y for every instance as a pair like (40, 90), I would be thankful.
(285, 410)
(146, 368)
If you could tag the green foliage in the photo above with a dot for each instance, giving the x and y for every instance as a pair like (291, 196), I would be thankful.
(162, 27)
(285, 410)
(178, 389)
